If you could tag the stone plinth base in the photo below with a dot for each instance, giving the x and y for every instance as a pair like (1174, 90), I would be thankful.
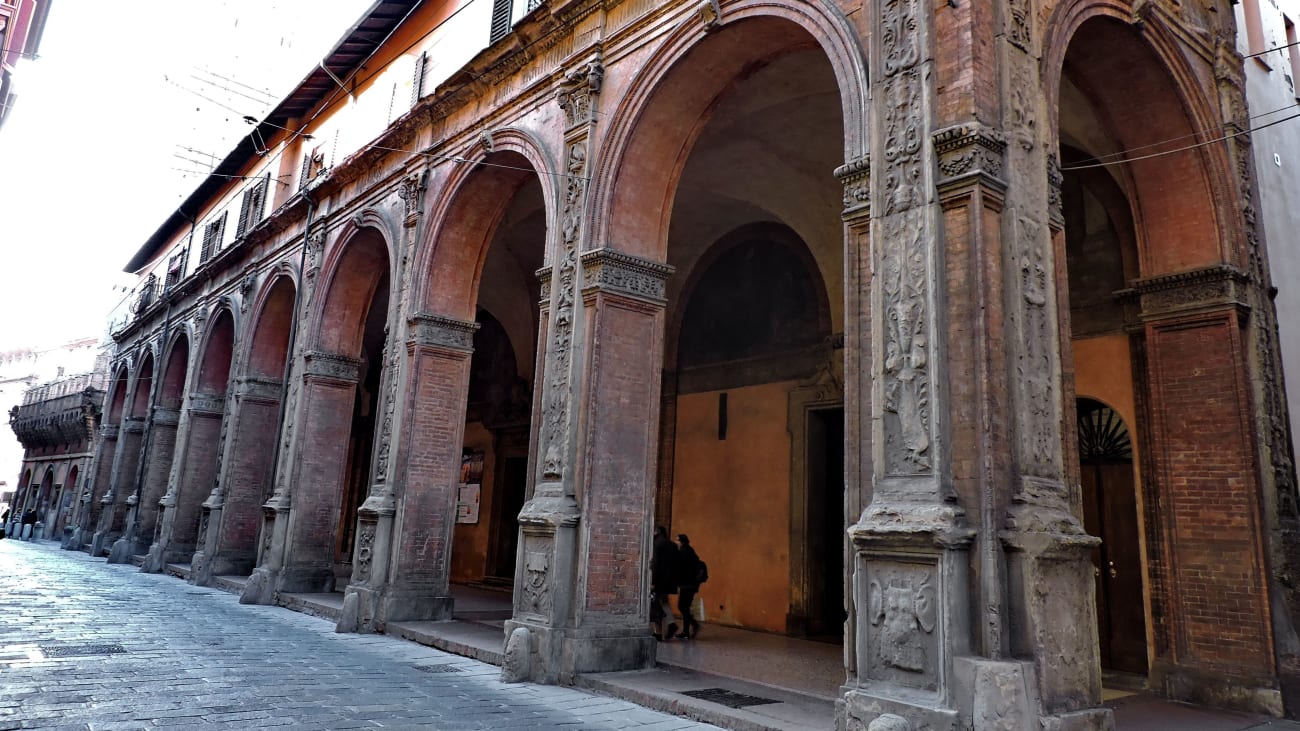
(565, 653)
(1258, 695)
(858, 710)
(415, 604)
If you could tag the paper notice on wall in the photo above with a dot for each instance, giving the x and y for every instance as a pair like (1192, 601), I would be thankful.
(467, 501)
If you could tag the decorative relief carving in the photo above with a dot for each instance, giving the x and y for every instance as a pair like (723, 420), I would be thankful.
(246, 289)
(544, 282)
(626, 274)
(442, 332)
(1019, 24)
(315, 248)
(203, 528)
(411, 191)
(578, 89)
(903, 180)
(710, 14)
(331, 365)
(1208, 287)
(365, 549)
(206, 403)
(1036, 377)
(392, 364)
(903, 609)
(268, 535)
(537, 582)
(969, 149)
(855, 176)
(1055, 204)
(907, 377)
(555, 412)
(1022, 119)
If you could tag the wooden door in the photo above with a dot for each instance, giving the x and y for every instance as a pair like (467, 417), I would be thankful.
(1110, 513)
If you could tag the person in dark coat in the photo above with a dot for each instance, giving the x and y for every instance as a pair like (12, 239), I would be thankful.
(663, 581)
(29, 518)
(688, 584)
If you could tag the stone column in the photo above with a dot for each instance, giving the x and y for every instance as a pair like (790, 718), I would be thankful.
(154, 478)
(298, 543)
(231, 514)
(910, 590)
(403, 560)
(194, 470)
(102, 472)
(121, 486)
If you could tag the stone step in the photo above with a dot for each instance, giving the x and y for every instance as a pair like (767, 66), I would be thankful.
(137, 560)
(483, 642)
(232, 584)
(181, 570)
(328, 606)
(726, 702)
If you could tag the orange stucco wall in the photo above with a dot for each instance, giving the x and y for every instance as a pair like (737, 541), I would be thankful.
(470, 540)
(1103, 369)
(732, 497)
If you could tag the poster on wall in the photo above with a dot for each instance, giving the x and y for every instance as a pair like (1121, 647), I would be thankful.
(471, 481)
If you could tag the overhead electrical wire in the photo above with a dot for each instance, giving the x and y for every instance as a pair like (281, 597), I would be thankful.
(1185, 148)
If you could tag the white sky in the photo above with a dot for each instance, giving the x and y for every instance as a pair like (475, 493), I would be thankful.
(89, 164)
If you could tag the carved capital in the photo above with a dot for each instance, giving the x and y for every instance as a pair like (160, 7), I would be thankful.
(331, 365)
(206, 403)
(109, 431)
(1055, 205)
(578, 90)
(1212, 287)
(613, 271)
(855, 176)
(969, 153)
(441, 332)
(544, 278)
(133, 425)
(411, 190)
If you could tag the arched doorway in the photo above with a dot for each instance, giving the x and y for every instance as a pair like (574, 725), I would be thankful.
(105, 456)
(1149, 241)
(126, 464)
(161, 444)
(1110, 512)
(67, 503)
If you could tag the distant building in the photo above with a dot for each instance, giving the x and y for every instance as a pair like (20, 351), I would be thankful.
(895, 307)
(22, 22)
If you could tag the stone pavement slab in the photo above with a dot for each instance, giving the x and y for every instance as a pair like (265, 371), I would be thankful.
(87, 645)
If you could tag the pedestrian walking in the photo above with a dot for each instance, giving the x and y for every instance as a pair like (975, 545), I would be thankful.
(691, 572)
(663, 582)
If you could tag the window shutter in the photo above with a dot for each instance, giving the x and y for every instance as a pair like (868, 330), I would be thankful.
(250, 210)
(212, 237)
(500, 19)
(305, 175)
(417, 84)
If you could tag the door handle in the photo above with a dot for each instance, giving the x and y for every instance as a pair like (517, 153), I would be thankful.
(1113, 572)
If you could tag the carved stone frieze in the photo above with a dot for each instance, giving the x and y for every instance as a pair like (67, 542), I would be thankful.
(855, 176)
(577, 92)
(544, 280)
(163, 416)
(207, 403)
(331, 365)
(1022, 115)
(1055, 203)
(133, 425)
(264, 389)
(536, 596)
(613, 271)
(970, 150)
(441, 332)
(1215, 286)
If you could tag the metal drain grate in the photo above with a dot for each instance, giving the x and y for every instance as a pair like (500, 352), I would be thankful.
(728, 698)
(80, 650)
(437, 668)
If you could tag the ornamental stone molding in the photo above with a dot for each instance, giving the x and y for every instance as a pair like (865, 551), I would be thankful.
(969, 152)
(441, 332)
(613, 271)
(164, 416)
(133, 425)
(265, 389)
(1210, 287)
(576, 92)
(207, 403)
(855, 176)
(331, 365)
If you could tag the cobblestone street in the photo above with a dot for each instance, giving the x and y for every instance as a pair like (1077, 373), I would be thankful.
(87, 645)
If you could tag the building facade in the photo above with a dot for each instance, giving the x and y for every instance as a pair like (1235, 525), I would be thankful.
(58, 425)
(945, 329)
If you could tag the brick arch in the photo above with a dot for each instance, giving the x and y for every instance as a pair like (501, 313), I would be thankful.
(268, 346)
(117, 401)
(216, 351)
(350, 276)
(1177, 200)
(636, 171)
(142, 383)
(464, 220)
(172, 389)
